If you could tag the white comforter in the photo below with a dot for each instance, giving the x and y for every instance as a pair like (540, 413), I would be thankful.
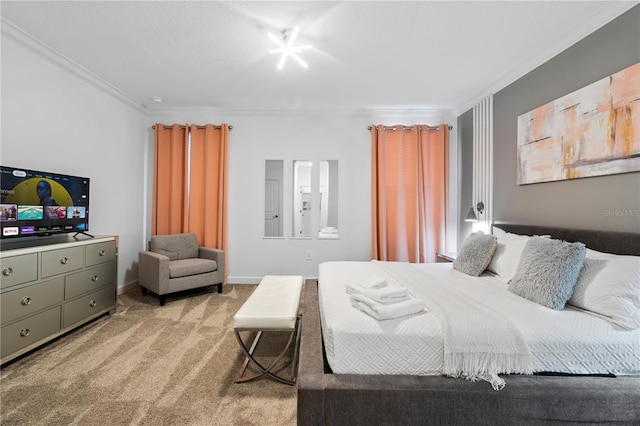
(568, 341)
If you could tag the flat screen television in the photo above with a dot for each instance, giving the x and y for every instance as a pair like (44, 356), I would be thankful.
(35, 203)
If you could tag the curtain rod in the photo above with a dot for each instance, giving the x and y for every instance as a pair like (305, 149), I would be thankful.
(197, 127)
(407, 127)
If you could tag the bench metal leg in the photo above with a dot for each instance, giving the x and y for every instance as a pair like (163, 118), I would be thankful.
(267, 370)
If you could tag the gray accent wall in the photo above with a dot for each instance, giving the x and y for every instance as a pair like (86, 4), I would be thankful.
(605, 202)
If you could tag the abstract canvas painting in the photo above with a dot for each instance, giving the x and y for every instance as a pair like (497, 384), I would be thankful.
(593, 131)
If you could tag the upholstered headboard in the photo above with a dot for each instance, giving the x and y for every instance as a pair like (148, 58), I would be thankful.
(605, 241)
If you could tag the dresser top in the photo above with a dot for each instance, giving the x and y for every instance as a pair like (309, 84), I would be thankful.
(16, 248)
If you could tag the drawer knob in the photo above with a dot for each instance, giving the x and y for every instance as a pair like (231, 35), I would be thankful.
(24, 332)
(93, 303)
(102, 253)
(64, 260)
(94, 278)
(26, 300)
(8, 271)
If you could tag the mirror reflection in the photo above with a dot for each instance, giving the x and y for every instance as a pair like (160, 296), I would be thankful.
(328, 223)
(302, 170)
(273, 183)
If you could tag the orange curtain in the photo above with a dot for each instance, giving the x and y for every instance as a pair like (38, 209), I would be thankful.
(169, 183)
(207, 215)
(409, 177)
(190, 182)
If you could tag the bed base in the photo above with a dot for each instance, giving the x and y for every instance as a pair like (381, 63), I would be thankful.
(325, 398)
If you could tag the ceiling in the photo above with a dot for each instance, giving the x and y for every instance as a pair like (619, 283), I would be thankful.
(374, 55)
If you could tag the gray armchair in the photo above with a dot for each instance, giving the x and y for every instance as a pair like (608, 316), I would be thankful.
(175, 263)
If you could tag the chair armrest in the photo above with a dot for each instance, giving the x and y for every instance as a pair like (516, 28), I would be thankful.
(211, 254)
(153, 270)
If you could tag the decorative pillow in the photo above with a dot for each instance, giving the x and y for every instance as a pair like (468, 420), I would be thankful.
(475, 253)
(548, 271)
(508, 251)
(609, 285)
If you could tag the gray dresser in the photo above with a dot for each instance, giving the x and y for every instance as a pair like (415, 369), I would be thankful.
(50, 287)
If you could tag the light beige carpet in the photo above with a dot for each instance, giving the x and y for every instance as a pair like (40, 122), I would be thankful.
(149, 365)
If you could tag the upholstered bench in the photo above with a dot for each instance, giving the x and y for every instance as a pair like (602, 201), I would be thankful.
(273, 306)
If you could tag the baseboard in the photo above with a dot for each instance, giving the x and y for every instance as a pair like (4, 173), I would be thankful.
(230, 280)
(127, 287)
(244, 280)
(254, 280)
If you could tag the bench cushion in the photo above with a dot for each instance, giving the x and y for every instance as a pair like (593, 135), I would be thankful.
(272, 306)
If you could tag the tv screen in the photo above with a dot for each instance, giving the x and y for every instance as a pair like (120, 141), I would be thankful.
(34, 203)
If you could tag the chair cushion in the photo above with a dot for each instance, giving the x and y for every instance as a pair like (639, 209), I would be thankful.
(188, 267)
(176, 246)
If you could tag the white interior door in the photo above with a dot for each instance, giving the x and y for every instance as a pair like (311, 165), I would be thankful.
(272, 221)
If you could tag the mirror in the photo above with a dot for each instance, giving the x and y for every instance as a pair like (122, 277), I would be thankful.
(273, 183)
(302, 198)
(328, 221)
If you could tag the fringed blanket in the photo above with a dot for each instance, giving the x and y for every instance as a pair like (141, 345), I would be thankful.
(479, 342)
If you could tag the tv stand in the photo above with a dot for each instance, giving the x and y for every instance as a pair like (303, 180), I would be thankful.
(84, 233)
(48, 288)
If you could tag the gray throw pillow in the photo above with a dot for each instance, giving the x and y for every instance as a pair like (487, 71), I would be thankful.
(476, 253)
(548, 271)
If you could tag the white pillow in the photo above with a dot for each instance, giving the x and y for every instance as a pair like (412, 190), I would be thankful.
(504, 262)
(609, 285)
(500, 233)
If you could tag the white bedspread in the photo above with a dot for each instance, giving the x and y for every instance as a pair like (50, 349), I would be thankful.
(568, 341)
(479, 342)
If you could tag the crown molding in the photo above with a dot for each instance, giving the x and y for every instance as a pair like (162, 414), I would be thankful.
(611, 10)
(15, 34)
(353, 112)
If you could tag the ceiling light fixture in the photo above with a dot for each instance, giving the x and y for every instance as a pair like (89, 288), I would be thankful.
(287, 47)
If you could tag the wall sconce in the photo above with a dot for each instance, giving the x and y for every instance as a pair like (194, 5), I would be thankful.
(471, 216)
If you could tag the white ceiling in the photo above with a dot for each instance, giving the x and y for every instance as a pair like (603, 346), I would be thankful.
(366, 55)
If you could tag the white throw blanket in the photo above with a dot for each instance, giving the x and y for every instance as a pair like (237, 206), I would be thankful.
(479, 342)
(385, 311)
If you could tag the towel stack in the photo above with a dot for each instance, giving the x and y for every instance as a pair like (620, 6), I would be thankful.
(375, 297)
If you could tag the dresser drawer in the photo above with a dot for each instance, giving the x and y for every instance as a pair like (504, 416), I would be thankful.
(61, 261)
(18, 269)
(98, 253)
(88, 280)
(88, 304)
(27, 300)
(29, 330)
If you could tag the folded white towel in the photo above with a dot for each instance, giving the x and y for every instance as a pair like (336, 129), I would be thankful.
(388, 294)
(385, 311)
(373, 281)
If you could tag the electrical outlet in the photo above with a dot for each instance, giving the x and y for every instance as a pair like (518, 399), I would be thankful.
(308, 255)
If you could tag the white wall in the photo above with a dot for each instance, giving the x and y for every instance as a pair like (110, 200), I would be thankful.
(53, 120)
(311, 135)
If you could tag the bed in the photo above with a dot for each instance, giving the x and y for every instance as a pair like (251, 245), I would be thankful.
(551, 395)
